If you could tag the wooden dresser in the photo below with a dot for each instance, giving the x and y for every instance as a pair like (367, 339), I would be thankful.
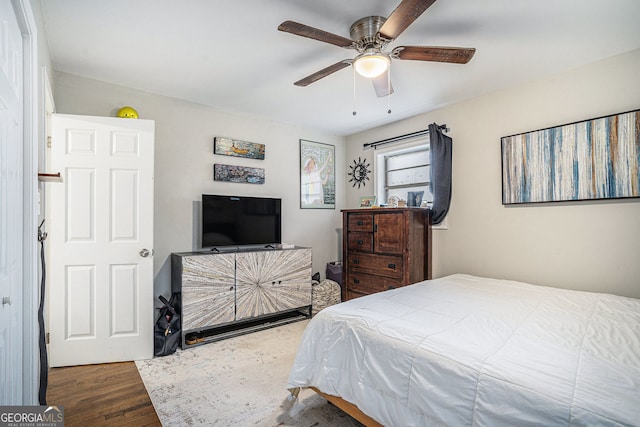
(384, 248)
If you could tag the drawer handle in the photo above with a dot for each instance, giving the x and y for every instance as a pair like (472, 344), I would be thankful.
(360, 223)
(360, 242)
(356, 281)
(392, 266)
(356, 261)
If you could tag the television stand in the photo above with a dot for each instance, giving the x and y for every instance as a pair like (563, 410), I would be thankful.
(224, 294)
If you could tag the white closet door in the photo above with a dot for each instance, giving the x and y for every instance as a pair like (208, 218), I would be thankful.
(101, 237)
(11, 207)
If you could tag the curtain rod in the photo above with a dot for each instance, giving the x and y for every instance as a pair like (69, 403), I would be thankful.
(402, 137)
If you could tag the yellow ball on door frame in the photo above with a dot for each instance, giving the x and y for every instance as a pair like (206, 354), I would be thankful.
(127, 113)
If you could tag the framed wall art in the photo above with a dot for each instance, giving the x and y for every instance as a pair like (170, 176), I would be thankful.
(237, 148)
(589, 160)
(317, 175)
(240, 174)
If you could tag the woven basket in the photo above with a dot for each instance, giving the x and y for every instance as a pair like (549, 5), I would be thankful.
(323, 295)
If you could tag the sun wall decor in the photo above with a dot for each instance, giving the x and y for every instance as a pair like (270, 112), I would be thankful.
(359, 172)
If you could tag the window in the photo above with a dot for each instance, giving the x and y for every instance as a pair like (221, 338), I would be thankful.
(404, 173)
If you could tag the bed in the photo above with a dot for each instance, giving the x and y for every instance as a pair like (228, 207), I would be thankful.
(465, 350)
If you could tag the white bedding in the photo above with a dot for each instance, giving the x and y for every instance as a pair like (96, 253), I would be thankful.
(464, 350)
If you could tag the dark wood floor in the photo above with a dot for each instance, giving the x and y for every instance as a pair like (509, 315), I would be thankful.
(101, 395)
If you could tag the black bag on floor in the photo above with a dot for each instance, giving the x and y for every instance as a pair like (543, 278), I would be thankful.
(166, 332)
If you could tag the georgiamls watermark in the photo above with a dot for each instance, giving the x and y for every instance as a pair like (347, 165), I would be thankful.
(31, 416)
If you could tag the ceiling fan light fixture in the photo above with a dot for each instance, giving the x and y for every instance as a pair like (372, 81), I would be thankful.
(371, 63)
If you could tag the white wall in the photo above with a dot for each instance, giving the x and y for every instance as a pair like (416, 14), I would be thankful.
(184, 167)
(593, 246)
(582, 245)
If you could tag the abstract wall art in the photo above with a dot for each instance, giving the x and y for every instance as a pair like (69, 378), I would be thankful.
(589, 160)
(240, 174)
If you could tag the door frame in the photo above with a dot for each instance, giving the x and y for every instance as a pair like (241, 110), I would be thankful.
(30, 294)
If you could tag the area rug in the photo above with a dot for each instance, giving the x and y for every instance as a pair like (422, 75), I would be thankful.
(238, 381)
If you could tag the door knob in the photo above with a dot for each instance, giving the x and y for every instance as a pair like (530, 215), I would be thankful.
(145, 253)
(6, 301)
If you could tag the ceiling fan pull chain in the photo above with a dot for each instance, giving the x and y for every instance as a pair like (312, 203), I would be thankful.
(389, 89)
(354, 91)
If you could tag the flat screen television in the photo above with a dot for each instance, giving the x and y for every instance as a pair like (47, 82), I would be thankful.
(240, 221)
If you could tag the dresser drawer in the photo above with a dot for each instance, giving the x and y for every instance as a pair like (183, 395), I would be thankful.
(360, 241)
(384, 265)
(360, 222)
(362, 283)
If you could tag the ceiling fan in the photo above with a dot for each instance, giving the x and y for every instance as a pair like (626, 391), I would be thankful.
(370, 36)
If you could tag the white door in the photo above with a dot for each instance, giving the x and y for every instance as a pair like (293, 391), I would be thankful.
(11, 205)
(101, 240)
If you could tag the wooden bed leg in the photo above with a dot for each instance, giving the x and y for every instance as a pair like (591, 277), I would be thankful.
(350, 409)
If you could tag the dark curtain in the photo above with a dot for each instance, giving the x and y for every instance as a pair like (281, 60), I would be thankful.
(440, 185)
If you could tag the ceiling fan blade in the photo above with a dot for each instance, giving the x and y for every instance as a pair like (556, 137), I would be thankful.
(323, 73)
(382, 85)
(315, 34)
(456, 55)
(403, 16)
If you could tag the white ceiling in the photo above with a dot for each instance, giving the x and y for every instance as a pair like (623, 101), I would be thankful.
(229, 55)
